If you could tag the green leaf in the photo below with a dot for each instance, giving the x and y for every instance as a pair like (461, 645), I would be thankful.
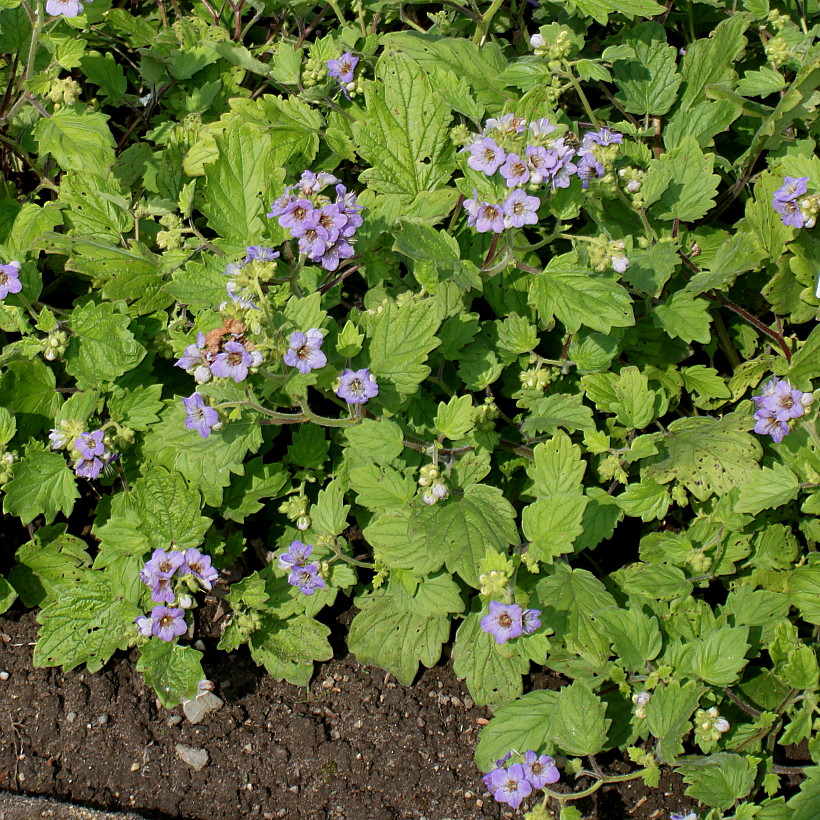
(556, 410)
(707, 456)
(635, 636)
(402, 538)
(684, 317)
(77, 141)
(738, 254)
(646, 500)
(401, 341)
(29, 387)
(102, 347)
(601, 9)
(87, 623)
(349, 341)
(379, 487)
(374, 441)
(104, 72)
(719, 780)
(329, 513)
(579, 297)
(804, 590)
(8, 426)
(287, 649)
(650, 269)
(7, 595)
(234, 183)
(771, 487)
(492, 677)
(761, 83)
(454, 419)
(523, 724)
(173, 671)
(718, 657)
(578, 724)
(806, 361)
(692, 185)
(169, 510)
(138, 408)
(42, 485)
(709, 61)
(244, 496)
(703, 122)
(466, 527)
(649, 83)
(405, 138)
(667, 716)
(803, 806)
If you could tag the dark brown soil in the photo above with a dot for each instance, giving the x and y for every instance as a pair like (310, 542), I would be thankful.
(355, 746)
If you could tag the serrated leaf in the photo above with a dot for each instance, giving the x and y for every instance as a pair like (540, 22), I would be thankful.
(404, 138)
(740, 253)
(245, 495)
(138, 408)
(77, 141)
(492, 677)
(454, 419)
(377, 487)
(29, 387)
(667, 716)
(719, 780)
(173, 671)
(7, 595)
(646, 500)
(329, 513)
(718, 657)
(804, 590)
(288, 649)
(684, 317)
(42, 485)
(703, 122)
(401, 538)
(579, 725)
(772, 487)
(806, 361)
(760, 83)
(556, 410)
(102, 347)
(635, 636)
(374, 441)
(579, 297)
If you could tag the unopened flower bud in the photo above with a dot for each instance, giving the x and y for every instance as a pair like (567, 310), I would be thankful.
(186, 602)
(303, 523)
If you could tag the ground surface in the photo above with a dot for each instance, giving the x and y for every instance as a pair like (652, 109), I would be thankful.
(356, 746)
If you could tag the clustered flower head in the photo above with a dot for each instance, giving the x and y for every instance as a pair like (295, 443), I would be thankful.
(778, 405)
(532, 155)
(305, 351)
(795, 206)
(223, 352)
(641, 699)
(432, 483)
(241, 275)
(90, 451)
(322, 227)
(507, 621)
(606, 253)
(709, 725)
(303, 575)
(357, 386)
(10, 279)
(511, 784)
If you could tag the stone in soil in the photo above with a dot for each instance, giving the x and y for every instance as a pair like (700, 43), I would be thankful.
(203, 704)
(197, 759)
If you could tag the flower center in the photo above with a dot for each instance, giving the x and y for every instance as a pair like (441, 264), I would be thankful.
(356, 387)
(511, 785)
(234, 359)
(519, 208)
(787, 402)
(299, 213)
(165, 621)
(504, 621)
(519, 169)
(3, 278)
(166, 566)
(489, 155)
(303, 352)
(537, 768)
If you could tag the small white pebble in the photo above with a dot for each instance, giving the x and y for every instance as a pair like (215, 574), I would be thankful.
(4, 675)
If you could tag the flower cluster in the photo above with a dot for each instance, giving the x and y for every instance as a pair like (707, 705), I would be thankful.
(162, 566)
(507, 621)
(224, 353)
(531, 154)
(10, 279)
(357, 386)
(709, 725)
(305, 351)
(795, 207)
(433, 487)
(641, 699)
(239, 283)
(512, 784)
(322, 228)
(778, 405)
(89, 450)
(303, 575)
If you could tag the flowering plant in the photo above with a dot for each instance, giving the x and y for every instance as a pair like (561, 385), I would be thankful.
(500, 323)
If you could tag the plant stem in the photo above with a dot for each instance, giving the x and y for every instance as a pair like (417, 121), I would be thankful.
(484, 26)
(580, 92)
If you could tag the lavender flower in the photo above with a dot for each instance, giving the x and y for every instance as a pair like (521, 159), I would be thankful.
(197, 357)
(310, 183)
(677, 816)
(145, 625)
(343, 67)
(515, 171)
(281, 204)
(785, 201)
(604, 136)
(201, 417)
(168, 623)
(540, 771)
(490, 218)
(58, 438)
(520, 209)
(779, 403)
(68, 8)
(161, 564)
(89, 445)
(162, 591)
(305, 352)
(542, 128)
(486, 156)
(199, 565)
(260, 253)
(295, 556)
(508, 785)
(357, 386)
(233, 363)
(560, 166)
(296, 213)
(89, 467)
(307, 578)
(506, 124)
(10, 276)
(530, 621)
(792, 188)
(503, 622)
(767, 424)
(472, 206)
(589, 168)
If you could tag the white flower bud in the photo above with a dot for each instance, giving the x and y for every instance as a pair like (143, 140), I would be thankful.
(50, 355)
(186, 602)
(256, 358)
(202, 374)
(721, 725)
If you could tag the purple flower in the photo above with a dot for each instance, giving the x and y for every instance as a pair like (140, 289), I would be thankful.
(508, 785)
(559, 164)
(589, 168)
(486, 156)
(10, 275)
(296, 213)
(89, 467)
(58, 439)
(295, 556)
(313, 238)
(335, 253)
(767, 424)
(766, 391)
(530, 620)
(260, 253)
(542, 127)
(792, 189)
(161, 564)
(168, 623)
(490, 218)
(790, 213)
(199, 566)
(195, 355)
(162, 591)
(538, 161)
(281, 204)
(89, 445)
(305, 352)
(690, 816)
(503, 622)
(357, 386)
(472, 206)
(506, 124)
(333, 220)
(343, 67)
(68, 8)
(201, 417)
(515, 171)
(232, 363)
(520, 209)
(786, 402)
(310, 183)
(604, 136)
(144, 625)
(306, 578)
(540, 771)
